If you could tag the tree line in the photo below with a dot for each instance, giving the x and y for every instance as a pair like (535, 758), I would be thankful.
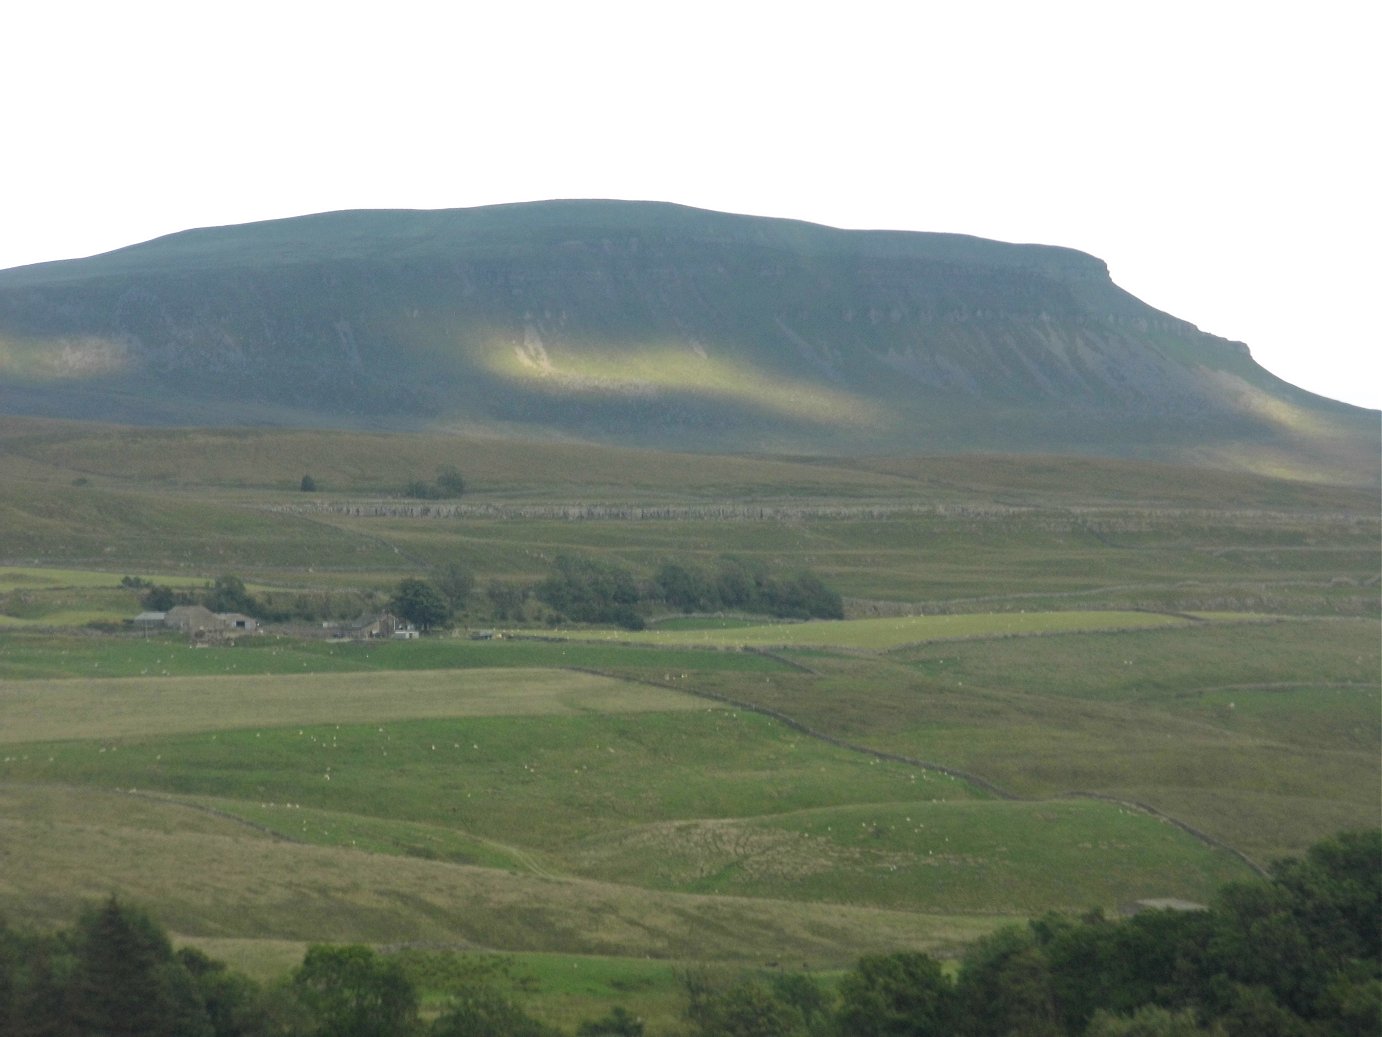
(588, 590)
(228, 593)
(1296, 955)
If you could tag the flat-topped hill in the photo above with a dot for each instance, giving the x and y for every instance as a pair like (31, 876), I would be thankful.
(652, 324)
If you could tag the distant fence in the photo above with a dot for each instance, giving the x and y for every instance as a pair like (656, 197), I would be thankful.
(1091, 520)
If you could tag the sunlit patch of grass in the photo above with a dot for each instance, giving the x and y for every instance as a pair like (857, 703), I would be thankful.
(884, 634)
(62, 359)
(669, 369)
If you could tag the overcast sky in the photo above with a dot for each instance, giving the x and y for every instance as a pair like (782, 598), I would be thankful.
(1221, 157)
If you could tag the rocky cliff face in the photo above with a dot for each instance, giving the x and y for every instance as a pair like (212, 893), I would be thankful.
(635, 321)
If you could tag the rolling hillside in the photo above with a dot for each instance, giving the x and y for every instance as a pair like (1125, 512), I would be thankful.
(651, 324)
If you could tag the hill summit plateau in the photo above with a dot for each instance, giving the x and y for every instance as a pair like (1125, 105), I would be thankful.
(656, 325)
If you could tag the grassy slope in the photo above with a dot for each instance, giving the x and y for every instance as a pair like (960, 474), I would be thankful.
(1265, 736)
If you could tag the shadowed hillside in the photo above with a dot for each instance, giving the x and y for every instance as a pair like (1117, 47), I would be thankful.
(654, 325)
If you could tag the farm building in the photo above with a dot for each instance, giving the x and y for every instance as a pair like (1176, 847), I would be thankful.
(197, 621)
(369, 625)
(193, 619)
(238, 622)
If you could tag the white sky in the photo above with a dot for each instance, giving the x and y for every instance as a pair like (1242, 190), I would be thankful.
(1220, 156)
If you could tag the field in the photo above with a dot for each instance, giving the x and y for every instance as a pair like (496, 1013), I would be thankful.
(1061, 685)
(882, 634)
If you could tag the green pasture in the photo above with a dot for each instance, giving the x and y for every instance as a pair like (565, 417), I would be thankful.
(940, 855)
(534, 781)
(885, 634)
(34, 654)
(1203, 643)
(1162, 665)
(245, 885)
(28, 577)
(123, 708)
(1292, 761)
(546, 773)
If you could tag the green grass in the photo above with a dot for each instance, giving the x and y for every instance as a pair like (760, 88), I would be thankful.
(240, 885)
(1161, 665)
(706, 622)
(884, 634)
(108, 710)
(951, 855)
(25, 655)
(703, 835)
(534, 781)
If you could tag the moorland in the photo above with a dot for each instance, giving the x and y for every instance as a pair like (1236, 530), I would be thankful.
(1060, 684)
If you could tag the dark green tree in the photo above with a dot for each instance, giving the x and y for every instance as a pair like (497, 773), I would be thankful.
(233, 1001)
(684, 589)
(590, 591)
(617, 1022)
(1150, 1021)
(308, 484)
(228, 594)
(127, 982)
(420, 603)
(481, 1009)
(455, 582)
(505, 599)
(159, 599)
(352, 992)
(749, 1008)
(1005, 988)
(896, 995)
(449, 482)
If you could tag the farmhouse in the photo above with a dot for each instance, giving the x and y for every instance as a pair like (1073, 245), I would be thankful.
(197, 621)
(193, 619)
(368, 625)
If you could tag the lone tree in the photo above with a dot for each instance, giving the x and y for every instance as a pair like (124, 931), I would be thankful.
(420, 603)
(308, 484)
(449, 481)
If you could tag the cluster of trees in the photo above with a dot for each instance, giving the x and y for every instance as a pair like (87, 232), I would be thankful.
(739, 585)
(224, 594)
(587, 590)
(115, 974)
(448, 483)
(590, 591)
(430, 604)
